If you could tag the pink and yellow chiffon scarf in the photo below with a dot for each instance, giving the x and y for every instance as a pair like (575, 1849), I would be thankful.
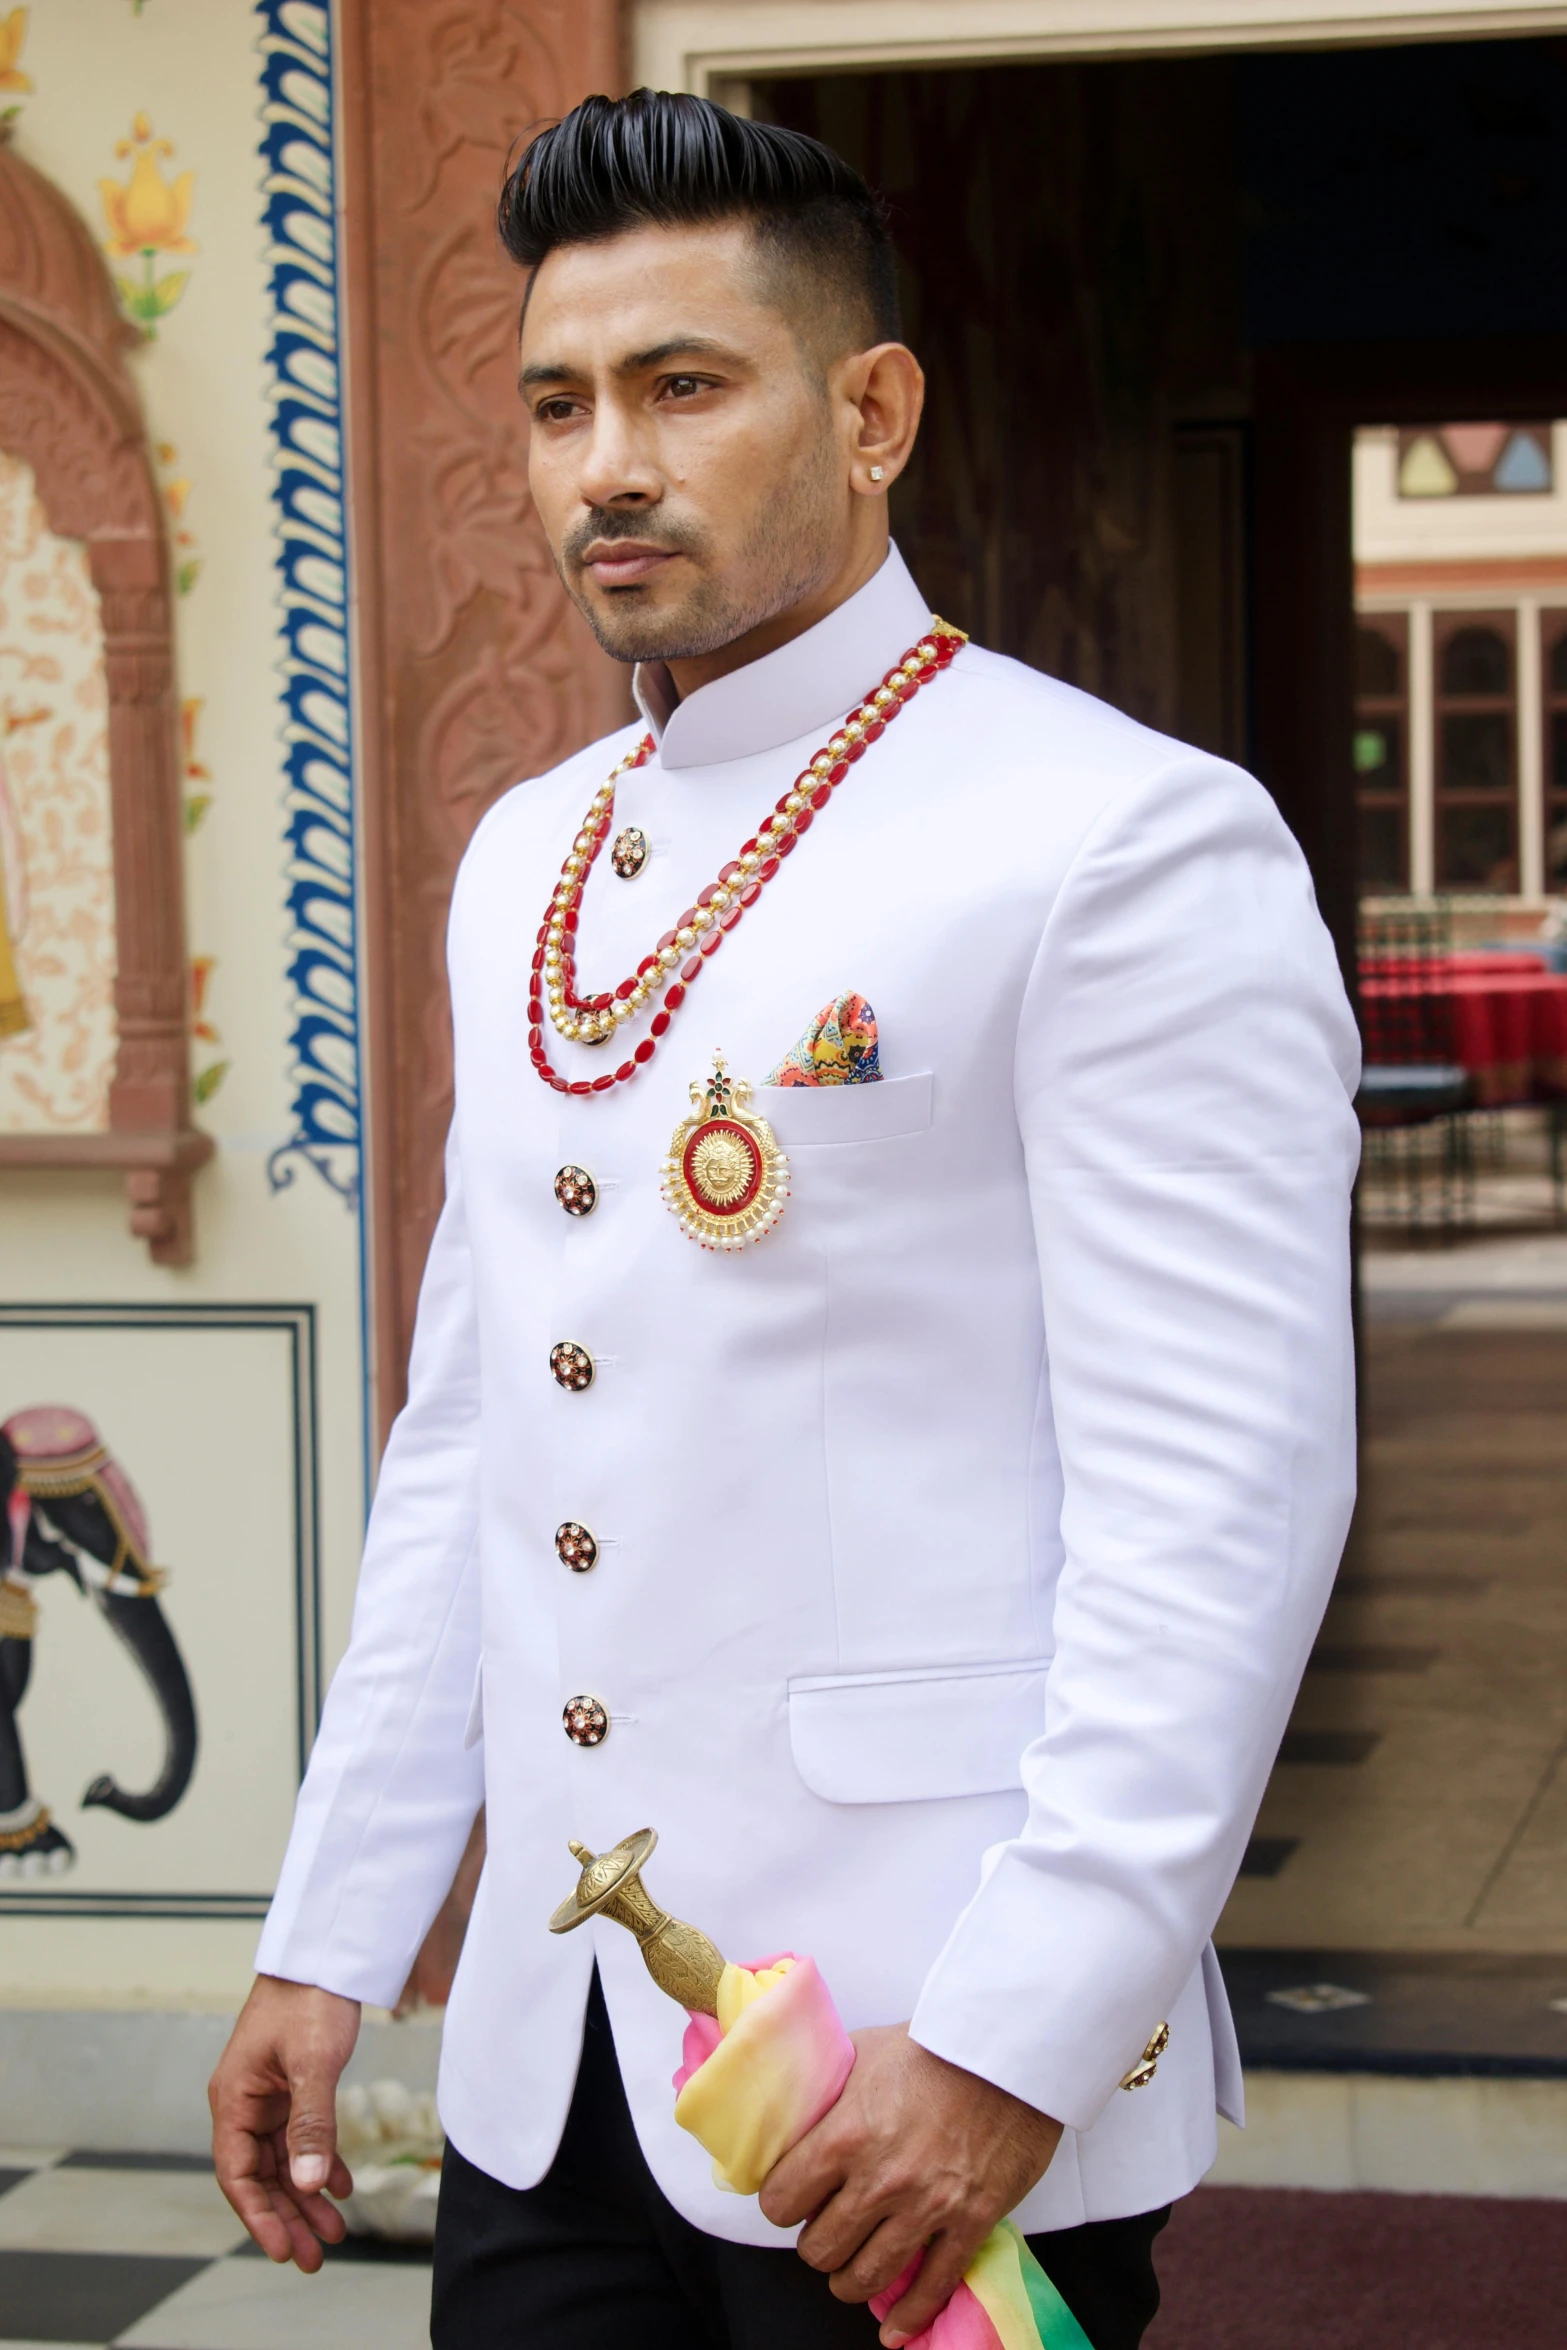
(765, 2070)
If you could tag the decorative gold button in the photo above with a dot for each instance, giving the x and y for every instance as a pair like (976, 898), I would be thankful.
(572, 1366)
(576, 1191)
(628, 852)
(586, 1722)
(576, 1547)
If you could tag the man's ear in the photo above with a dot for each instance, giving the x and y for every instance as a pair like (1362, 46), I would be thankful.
(883, 396)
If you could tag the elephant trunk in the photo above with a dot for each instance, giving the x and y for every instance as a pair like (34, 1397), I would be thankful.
(143, 1627)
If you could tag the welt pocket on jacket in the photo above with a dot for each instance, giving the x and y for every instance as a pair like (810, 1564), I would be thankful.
(907, 1737)
(801, 1115)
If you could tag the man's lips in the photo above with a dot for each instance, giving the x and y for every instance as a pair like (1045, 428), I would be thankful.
(624, 562)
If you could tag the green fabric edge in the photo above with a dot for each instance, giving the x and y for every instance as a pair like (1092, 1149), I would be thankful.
(1058, 2328)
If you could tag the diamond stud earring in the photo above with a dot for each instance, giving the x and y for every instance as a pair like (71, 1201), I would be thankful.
(875, 473)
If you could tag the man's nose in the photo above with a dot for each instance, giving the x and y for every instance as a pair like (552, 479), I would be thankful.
(616, 465)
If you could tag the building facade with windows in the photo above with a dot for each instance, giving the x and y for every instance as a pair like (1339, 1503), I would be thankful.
(1460, 734)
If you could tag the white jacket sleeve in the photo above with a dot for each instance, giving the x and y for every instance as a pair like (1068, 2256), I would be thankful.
(391, 1791)
(1186, 1065)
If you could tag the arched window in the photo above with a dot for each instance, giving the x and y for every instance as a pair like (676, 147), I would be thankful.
(72, 431)
(1477, 661)
(1476, 752)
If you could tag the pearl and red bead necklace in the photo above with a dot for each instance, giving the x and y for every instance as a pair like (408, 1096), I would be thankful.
(682, 952)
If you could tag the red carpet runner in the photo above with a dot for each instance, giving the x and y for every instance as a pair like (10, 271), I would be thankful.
(1257, 2269)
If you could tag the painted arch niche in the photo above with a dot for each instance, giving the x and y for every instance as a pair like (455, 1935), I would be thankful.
(94, 1058)
(58, 1033)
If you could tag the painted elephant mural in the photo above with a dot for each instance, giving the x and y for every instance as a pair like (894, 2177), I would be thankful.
(70, 1509)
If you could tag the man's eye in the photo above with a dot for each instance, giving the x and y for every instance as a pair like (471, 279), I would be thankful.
(685, 387)
(555, 411)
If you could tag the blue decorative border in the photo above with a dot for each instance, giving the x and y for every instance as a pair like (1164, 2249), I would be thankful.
(299, 186)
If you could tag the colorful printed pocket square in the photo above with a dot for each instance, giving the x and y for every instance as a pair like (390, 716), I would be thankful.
(839, 1048)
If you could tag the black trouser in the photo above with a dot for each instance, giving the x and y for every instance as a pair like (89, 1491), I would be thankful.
(595, 2258)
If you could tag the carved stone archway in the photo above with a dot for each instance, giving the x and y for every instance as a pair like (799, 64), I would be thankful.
(69, 408)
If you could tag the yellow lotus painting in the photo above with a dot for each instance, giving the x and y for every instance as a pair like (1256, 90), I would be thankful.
(146, 216)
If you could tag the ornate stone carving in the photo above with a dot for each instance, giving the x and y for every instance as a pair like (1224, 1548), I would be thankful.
(476, 671)
(68, 406)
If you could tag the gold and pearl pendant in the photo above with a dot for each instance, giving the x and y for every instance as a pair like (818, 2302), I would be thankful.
(725, 1179)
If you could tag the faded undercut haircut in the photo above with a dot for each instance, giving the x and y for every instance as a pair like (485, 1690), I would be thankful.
(665, 159)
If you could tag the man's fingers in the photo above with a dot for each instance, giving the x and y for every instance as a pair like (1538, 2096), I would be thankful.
(845, 2222)
(305, 2247)
(275, 2220)
(312, 2213)
(243, 2163)
(941, 2272)
(324, 2217)
(299, 2237)
(802, 2181)
(312, 2128)
(254, 2207)
(252, 2174)
(886, 2252)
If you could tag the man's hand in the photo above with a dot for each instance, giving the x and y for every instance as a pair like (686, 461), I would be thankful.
(915, 2153)
(274, 2117)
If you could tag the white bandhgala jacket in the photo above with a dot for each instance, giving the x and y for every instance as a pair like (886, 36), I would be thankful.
(962, 1542)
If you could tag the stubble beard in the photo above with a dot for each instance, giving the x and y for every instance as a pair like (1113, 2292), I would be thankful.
(786, 557)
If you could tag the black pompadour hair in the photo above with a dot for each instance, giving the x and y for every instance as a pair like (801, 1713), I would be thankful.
(664, 158)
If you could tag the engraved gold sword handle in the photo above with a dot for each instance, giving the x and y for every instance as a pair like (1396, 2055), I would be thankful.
(680, 1958)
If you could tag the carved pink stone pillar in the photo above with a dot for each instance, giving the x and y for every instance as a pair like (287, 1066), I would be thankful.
(475, 670)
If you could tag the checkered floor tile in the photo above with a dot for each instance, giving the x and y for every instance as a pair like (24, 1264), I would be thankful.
(141, 2252)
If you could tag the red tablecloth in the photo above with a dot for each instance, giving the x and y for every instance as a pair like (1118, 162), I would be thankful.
(1486, 962)
(1509, 1026)
(1462, 963)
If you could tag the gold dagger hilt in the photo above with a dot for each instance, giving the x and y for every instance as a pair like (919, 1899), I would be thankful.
(680, 1959)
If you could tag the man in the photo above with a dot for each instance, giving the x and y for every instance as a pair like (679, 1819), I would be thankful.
(932, 1555)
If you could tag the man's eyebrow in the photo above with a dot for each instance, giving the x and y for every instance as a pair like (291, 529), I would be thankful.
(678, 347)
(545, 372)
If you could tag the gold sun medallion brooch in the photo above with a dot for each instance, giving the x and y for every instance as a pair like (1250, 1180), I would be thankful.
(725, 1178)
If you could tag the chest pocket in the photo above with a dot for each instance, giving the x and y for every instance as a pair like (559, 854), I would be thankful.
(806, 1116)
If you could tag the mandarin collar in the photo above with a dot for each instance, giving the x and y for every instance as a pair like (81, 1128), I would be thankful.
(804, 686)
